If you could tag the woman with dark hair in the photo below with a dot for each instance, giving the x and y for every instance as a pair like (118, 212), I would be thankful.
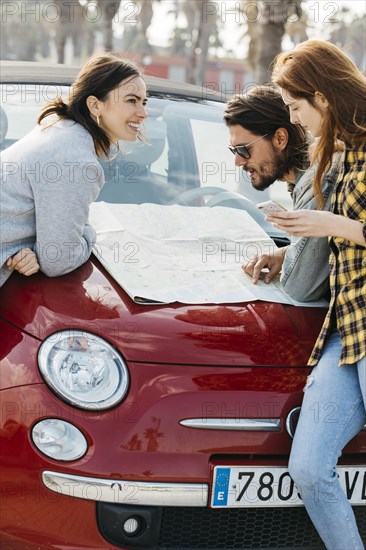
(50, 177)
(326, 94)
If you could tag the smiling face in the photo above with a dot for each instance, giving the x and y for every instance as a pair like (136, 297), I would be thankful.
(123, 112)
(266, 162)
(302, 112)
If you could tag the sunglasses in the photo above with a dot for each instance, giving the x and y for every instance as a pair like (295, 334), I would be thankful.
(242, 150)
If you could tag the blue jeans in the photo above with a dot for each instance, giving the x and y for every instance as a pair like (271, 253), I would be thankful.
(332, 413)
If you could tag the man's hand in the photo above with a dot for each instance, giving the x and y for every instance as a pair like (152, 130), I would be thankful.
(271, 262)
(25, 261)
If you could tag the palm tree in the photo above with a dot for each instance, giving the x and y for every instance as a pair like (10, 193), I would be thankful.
(72, 24)
(356, 43)
(135, 35)
(351, 38)
(199, 33)
(200, 28)
(62, 31)
(266, 29)
(179, 41)
(297, 29)
(109, 9)
(251, 13)
(19, 39)
(208, 29)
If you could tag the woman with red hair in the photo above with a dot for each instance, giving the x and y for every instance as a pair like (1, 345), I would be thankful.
(326, 94)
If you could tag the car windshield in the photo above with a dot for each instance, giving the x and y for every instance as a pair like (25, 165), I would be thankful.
(184, 158)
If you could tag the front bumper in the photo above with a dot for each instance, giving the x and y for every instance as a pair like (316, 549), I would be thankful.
(118, 491)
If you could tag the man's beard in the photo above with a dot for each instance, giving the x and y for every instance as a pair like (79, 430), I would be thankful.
(268, 173)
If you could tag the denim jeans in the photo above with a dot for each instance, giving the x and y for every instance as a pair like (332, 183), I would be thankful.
(333, 411)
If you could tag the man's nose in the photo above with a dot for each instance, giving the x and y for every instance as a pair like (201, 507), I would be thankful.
(240, 161)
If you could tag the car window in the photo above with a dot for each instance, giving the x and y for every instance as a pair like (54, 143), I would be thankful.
(21, 105)
(215, 161)
(182, 159)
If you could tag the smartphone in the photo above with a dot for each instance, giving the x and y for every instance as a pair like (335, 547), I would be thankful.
(269, 207)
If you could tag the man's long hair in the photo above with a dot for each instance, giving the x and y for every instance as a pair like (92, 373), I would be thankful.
(262, 111)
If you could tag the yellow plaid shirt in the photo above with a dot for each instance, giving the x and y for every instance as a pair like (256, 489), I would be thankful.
(347, 308)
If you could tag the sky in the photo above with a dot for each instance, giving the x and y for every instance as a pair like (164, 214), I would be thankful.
(320, 11)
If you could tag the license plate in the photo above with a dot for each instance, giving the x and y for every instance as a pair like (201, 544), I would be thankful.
(243, 487)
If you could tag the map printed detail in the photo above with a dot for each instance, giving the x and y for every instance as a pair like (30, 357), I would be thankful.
(191, 255)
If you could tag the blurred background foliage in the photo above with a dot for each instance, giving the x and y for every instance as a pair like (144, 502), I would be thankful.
(45, 30)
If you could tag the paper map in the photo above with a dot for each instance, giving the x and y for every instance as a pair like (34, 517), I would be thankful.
(191, 255)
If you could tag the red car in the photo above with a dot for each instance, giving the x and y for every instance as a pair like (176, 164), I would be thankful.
(163, 426)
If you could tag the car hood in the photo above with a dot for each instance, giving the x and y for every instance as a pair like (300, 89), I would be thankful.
(254, 333)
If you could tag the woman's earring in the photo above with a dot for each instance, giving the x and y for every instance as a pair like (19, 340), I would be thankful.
(98, 119)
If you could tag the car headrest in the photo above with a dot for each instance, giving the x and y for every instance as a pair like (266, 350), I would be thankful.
(146, 152)
(3, 125)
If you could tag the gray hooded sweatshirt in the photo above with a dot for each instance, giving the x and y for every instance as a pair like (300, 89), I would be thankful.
(49, 178)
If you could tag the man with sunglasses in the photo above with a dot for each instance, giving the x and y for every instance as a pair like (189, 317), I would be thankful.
(269, 147)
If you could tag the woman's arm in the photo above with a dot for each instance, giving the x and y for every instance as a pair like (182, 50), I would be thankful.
(316, 223)
(64, 239)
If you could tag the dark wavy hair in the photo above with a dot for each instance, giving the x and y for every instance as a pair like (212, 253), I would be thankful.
(319, 66)
(262, 111)
(99, 75)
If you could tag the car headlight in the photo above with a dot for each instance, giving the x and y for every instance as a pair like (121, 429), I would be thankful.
(59, 439)
(83, 369)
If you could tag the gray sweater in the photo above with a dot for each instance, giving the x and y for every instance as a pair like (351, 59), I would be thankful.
(49, 178)
(305, 271)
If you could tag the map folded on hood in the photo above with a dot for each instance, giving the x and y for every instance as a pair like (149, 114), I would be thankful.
(192, 255)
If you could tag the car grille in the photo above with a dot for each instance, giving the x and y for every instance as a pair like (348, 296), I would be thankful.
(260, 528)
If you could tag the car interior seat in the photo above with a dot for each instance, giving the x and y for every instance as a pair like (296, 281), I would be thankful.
(3, 127)
(128, 173)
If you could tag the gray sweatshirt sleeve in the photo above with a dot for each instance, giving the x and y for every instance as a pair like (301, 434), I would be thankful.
(305, 271)
(64, 239)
